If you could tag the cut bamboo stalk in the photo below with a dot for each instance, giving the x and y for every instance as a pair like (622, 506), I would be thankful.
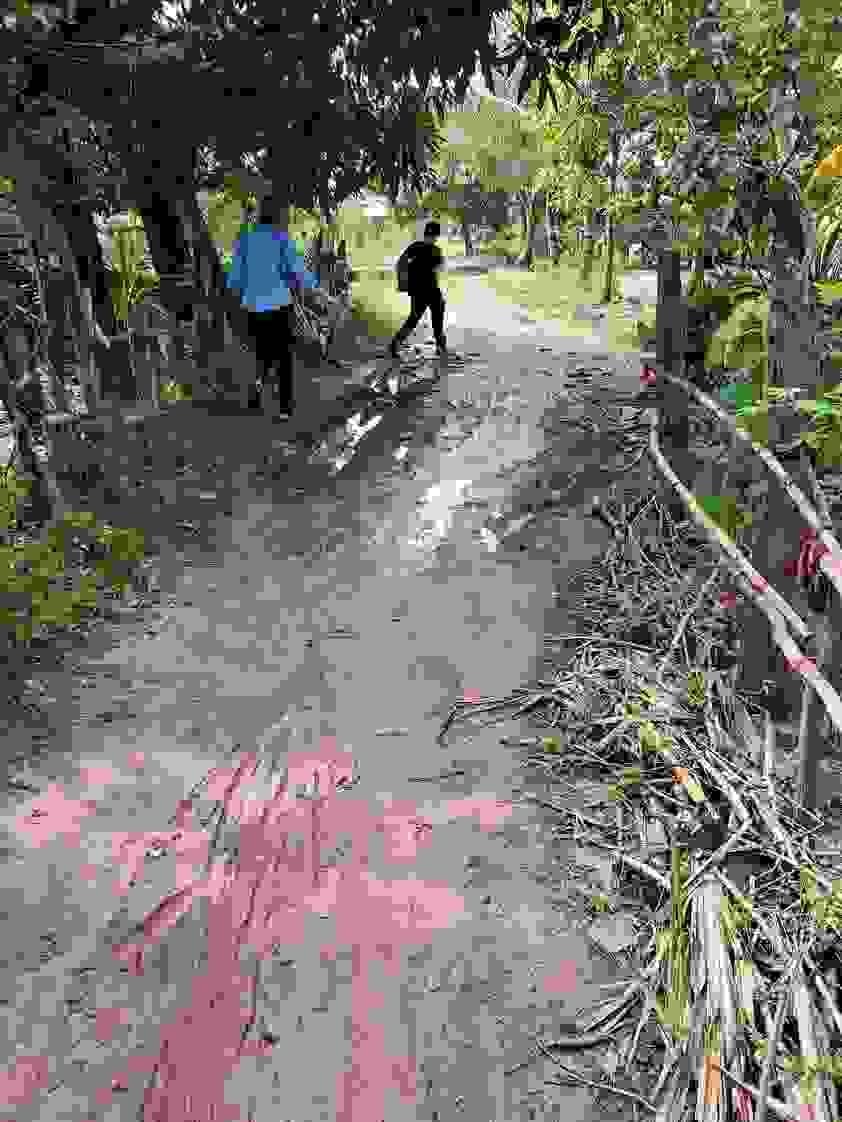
(766, 594)
(798, 663)
(774, 607)
(831, 563)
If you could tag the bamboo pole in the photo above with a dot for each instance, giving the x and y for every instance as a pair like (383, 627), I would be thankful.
(751, 583)
(830, 563)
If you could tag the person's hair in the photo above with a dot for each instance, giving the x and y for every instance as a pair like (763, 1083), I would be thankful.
(432, 230)
(269, 211)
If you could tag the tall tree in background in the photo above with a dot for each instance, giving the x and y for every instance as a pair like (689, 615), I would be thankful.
(506, 148)
(368, 85)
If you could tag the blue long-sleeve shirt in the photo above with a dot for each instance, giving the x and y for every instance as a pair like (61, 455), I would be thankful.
(264, 263)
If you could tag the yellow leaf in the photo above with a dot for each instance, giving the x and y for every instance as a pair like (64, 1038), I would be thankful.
(831, 165)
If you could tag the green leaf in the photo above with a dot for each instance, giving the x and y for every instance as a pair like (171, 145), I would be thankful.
(696, 688)
(551, 744)
(695, 791)
(650, 741)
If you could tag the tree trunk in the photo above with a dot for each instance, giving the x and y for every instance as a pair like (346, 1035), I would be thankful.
(41, 221)
(56, 306)
(465, 227)
(588, 248)
(168, 246)
(608, 288)
(793, 360)
(216, 305)
(670, 329)
(527, 205)
(52, 356)
(21, 394)
(524, 218)
(115, 381)
(78, 223)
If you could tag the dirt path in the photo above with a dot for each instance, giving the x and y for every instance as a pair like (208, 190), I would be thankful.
(330, 604)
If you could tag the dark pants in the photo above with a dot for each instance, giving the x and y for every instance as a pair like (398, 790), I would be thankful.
(273, 342)
(421, 301)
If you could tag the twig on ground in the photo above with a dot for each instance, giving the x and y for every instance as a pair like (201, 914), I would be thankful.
(685, 619)
(433, 778)
(610, 1088)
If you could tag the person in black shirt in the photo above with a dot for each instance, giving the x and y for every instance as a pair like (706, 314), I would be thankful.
(423, 260)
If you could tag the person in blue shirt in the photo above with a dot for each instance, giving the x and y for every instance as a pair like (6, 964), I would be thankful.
(266, 268)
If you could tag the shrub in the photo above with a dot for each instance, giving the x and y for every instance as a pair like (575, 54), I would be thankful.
(742, 340)
(55, 581)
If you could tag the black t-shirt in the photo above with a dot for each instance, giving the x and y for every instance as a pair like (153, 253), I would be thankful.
(422, 258)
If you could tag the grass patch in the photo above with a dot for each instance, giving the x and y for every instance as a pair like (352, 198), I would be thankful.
(54, 580)
(508, 242)
(554, 292)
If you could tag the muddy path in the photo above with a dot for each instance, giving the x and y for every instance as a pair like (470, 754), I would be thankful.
(352, 588)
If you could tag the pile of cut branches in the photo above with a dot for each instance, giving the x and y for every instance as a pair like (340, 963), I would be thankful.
(739, 983)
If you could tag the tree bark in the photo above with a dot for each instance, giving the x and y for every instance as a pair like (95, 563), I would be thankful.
(608, 289)
(115, 381)
(55, 303)
(527, 212)
(670, 330)
(793, 361)
(52, 328)
(77, 221)
(20, 391)
(40, 220)
(466, 237)
(588, 247)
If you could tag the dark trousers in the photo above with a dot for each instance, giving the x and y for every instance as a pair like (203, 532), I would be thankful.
(273, 343)
(421, 301)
